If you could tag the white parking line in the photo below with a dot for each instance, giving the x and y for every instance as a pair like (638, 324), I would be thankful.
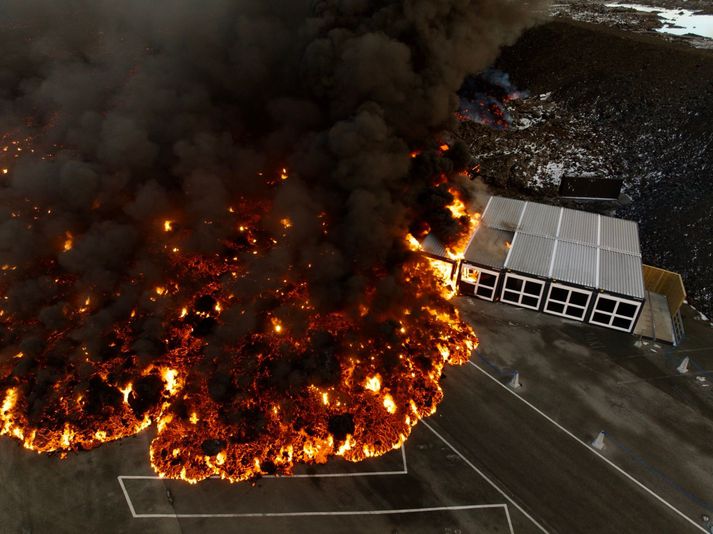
(592, 450)
(136, 515)
(332, 513)
(397, 511)
(126, 496)
(403, 457)
(484, 476)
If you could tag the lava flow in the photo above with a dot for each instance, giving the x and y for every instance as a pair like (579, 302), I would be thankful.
(205, 224)
(344, 384)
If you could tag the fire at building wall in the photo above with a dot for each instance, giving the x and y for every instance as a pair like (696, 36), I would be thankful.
(572, 264)
(569, 263)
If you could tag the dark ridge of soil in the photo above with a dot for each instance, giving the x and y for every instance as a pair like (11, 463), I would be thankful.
(657, 96)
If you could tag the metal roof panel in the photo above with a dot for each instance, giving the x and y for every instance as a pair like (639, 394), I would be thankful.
(531, 254)
(540, 219)
(621, 273)
(575, 263)
(571, 246)
(489, 247)
(579, 227)
(620, 235)
(503, 213)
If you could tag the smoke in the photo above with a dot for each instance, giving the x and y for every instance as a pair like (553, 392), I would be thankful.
(132, 113)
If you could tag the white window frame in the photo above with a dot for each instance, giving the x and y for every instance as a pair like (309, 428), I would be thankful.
(467, 268)
(567, 304)
(522, 293)
(613, 315)
(476, 284)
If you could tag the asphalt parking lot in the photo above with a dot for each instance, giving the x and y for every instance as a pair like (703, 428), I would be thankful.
(491, 460)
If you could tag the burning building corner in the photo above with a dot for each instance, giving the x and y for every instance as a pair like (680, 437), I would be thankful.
(573, 264)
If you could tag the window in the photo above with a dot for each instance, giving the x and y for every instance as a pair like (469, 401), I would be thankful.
(488, 279)
(580, 298)
(530, 302)
(558, 293)
(615, 312)
(626, 309)
(555, 307)
(568, 301)
(606, 305)
(485, 281)
(513, 283)
(470, 274)
(521, 291)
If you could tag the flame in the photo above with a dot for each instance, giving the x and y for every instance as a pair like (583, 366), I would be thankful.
(460, 211)
(176, 387)
(126, 392)
(508, 245)
(457, 207)
(389, 404)
(6, 410)
(170, 377)
(413, 243)
(373, 383)
(168, 225)
(68, 241)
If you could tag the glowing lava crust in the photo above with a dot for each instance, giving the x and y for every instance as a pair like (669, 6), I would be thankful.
(301, 386)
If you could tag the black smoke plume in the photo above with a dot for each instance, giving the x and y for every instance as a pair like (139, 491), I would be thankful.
(120, 115)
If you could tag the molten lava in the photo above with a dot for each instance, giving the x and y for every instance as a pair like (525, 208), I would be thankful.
(302, 386)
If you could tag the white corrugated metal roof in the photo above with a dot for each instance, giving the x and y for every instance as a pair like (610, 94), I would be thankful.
(503, 213)
(575, 264)
(540, 219)
(620, 235)
(571, 246)
(488, 247)
(531, 254)
(579, 227)
(621, 273)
